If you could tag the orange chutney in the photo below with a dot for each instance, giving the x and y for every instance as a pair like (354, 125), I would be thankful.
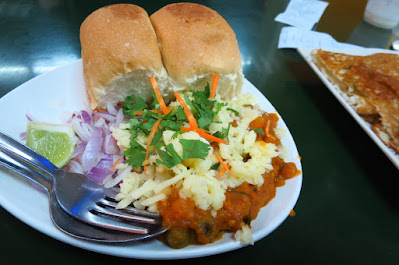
(190, 225)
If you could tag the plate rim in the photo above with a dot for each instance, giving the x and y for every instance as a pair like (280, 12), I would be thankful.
(109, 249)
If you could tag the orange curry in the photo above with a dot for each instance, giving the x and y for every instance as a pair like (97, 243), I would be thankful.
(191, 225)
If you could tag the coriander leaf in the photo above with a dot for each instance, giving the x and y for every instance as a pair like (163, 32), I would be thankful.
(233, 110)
(180, 115)
(157, 138)
(146, 127)
(204, 121)
(203, 97)
(224, 134)
(135, 154)
(171, 125)
(132, 105)
(219, 107)
(134, 122)
(155, 104)
(190, 103)
(174, 136)
(170, 157)
(207, 90)
(194, 149)
(151, 115)
(259, 131)
(215, 166)
(171, 115)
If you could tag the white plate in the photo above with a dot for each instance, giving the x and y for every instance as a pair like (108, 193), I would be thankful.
(50, 97)
(306, 54)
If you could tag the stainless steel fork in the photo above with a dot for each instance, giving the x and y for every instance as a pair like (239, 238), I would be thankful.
(78, 195)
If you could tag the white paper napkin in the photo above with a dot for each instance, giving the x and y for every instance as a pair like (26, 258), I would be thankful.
(302, 13)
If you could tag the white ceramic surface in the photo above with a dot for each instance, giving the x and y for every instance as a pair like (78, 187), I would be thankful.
(51, 97)
(306, 54)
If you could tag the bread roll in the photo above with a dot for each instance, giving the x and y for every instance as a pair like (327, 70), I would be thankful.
(196, 42)
(120, 53)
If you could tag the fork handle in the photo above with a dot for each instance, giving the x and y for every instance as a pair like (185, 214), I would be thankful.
(25, 171)
(27, 156)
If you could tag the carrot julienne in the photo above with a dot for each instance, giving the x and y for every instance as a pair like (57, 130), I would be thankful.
(225, 166)
(214, 85)
(158, 94)
(204, 133)
(189, 115)
(114, 165)
(190, 129)
(211, 137)
(150, 138)
(220, 174)
(267, 129)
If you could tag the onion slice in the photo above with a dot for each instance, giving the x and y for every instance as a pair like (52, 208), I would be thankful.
(92, 150)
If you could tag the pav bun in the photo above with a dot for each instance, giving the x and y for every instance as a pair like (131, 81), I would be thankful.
(184, 45)
(120, 53)
(196, 42)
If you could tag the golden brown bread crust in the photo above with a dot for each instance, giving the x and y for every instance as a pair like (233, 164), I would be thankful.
(194, 41)
(371, 85)
(116, 40)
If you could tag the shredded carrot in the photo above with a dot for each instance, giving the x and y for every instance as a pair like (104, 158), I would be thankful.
(150, 137)
(158, 94)
(214, 85)
(189, 115)
(114, 165)
(221, 172)
(190, 129)
(225, 166)
(205, 131)
(140, 112)
(186, 129)
(267, 129)
(205, 134)
(211, 137)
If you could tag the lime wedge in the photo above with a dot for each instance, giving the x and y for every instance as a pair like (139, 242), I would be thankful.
(55, 142)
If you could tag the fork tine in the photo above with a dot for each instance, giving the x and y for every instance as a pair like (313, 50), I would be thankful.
(106, 201)
(109, 223)
(119, 214)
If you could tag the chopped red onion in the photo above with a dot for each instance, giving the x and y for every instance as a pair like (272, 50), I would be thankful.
(112, 182)
(97, 150)
(29, 117)
(75, 167)
(99, 123)
(79, 149)
(92, 150)
(86, 116)
(22, 136)
(119, 118)
(107, 116)
(111, 109)
(102, 169)
(82, 131)
(110, 145)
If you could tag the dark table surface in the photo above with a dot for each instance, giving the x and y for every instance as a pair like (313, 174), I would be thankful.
(348, 210)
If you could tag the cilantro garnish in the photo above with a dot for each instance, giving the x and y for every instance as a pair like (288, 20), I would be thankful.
(259, 131)
(191, 149)
(233, 110)
(194, 149)
(135, 154)
(215, 166)
(170, 157)
(204, 111)
(132, 105)
(224, 134)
